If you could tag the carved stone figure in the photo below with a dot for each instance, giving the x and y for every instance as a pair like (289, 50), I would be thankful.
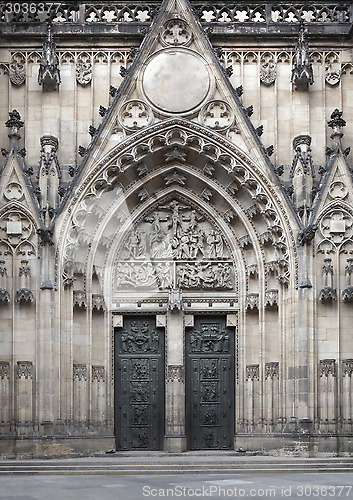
(302, 72)
(215, 245)
(49, 72)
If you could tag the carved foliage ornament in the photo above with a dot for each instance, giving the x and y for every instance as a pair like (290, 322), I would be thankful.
(24, 369)
(98, 373)
(79, 371)
(272, 370)
(327, 367)
(4, 370)
(175, 373)
(252, 372)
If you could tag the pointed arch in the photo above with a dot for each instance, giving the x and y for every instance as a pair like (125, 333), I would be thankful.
(185, 158)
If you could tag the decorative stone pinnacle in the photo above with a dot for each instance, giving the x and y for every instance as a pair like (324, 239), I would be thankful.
(49, 73)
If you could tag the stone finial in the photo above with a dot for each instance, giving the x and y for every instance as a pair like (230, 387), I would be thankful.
(336, 123)
(14, 123)
(302, 72)
(49, 73)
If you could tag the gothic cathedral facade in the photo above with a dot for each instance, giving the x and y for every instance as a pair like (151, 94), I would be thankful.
(176, 227)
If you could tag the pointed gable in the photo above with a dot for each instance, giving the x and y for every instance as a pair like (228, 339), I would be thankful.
(176, 74)
(336, 185)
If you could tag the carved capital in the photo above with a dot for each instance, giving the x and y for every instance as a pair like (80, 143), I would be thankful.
(4, 370)
(252, 372)
(24, 369)
(175, 300)
(252, 301)
(79, 371)
(327, 367)
(271, 298)
(175, 373)
(80, 299)
(98, 302)
(98, 373)
(347, 367)
(272, 370)
(4, 296)
(24, 296)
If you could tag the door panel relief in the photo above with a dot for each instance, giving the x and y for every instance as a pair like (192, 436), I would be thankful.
(139, 384)
(210, 384)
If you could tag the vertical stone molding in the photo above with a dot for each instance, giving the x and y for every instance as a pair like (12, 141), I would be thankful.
(175, 402)
(252, 408)
(328, 293)
(80, 393)
(4, 397)
(99, 395)
(347, 395)
(24, 396)
(271, 401)
(328, 395)
(175, 439)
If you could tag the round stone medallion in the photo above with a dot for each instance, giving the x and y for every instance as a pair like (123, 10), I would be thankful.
(176, 81)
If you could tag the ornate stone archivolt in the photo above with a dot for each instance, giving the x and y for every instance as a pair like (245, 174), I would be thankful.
(176, 251)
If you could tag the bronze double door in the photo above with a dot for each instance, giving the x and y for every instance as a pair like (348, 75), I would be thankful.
(140, 384)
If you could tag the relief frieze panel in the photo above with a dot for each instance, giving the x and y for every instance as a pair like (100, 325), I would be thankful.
(140, 339)
(174, 246)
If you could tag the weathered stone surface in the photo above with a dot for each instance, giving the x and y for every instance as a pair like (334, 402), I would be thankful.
(154, 191)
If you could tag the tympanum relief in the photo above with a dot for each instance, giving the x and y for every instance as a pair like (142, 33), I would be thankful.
(174, 246)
